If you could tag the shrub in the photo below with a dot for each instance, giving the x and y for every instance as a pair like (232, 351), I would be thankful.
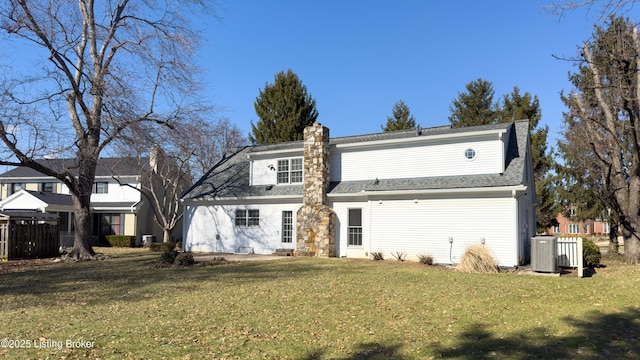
(184, 259)
(399, 255)
(168, 257)
(477, 259)
(425, 259)
(377, 255)
(121, 240)
(591, 253)
(163, 246)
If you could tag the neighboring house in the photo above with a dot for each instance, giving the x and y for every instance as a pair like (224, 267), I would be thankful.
(116, 209)
(429, 191)
(568, 224)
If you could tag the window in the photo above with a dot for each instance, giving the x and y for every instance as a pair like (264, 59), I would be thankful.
(572, 211)
(585, 227)
(247, 217)
(15, 187)
(574, 228)
(556, 229)
(354, 228)
(287, 227)
(289, 171)
(47, 187)
(100, 187)
(605, 228)
(470, 154)
(110, 224)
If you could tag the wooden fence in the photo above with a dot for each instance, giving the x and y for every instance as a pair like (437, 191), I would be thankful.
(29, 241)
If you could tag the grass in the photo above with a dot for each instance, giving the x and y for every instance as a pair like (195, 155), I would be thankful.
(307, 308)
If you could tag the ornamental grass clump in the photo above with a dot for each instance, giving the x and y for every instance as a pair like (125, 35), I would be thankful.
(477, 259)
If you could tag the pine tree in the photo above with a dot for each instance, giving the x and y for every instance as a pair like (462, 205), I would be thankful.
(519, 107)
(401, 119)
(474, 107)
(284, 108)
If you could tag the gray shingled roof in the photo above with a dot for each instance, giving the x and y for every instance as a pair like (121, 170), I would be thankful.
(52, 198)
(230, 177)
(106, 167)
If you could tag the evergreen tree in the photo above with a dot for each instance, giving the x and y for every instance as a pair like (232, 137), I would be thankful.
(519, 107)
(284, 108)
(401, 119)
(474, 107)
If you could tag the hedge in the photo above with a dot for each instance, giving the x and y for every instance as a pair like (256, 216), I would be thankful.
(121, 240)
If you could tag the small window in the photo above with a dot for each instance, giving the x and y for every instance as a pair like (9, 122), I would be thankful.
(470, 154)
(574, 228)
(100, 188)
(556, 229)
(15, 187)
(283, 171)
(289, 171)
(247, 217)
(47, 187)
(354, 228)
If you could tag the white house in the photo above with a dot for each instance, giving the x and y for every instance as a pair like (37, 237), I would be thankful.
(429, 191)
(117, 207)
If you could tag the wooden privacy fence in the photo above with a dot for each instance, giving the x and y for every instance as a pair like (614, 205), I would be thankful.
(29, 241)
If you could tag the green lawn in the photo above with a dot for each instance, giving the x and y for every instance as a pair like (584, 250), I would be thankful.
(307, 308)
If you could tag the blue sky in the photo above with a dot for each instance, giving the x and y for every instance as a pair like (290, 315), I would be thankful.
(358, 58)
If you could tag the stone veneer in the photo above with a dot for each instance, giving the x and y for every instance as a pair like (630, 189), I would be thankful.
(316, 221)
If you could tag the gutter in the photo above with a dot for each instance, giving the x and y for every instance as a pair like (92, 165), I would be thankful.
(513, 189)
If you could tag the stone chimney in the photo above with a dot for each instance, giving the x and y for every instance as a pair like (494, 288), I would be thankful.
(316, 221)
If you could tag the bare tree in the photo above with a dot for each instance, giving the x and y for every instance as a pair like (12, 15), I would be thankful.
(168, 167)
(106, 66)
(603, 124)
(602, 8)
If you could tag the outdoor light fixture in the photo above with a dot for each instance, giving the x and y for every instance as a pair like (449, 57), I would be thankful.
(482, 240)
(451, 239)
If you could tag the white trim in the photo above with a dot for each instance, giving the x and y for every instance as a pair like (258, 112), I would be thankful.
(420, 138)
(515, 190)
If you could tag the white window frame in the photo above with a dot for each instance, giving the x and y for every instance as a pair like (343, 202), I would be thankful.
(100, 187)
(574, 228)
(556, 229)
(605, 227)
(289, 171)
(287, 227)
(354, 231)
(247, 217)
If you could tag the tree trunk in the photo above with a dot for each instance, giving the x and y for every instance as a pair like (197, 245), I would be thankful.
(614, 245)
(82, 249)
(166, 233)
(632, 249)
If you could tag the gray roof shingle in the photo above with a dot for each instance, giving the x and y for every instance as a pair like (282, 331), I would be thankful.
(105, 167)
(230, 177)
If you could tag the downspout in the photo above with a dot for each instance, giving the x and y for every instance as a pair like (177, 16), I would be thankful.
(370, 223)
(502, 153)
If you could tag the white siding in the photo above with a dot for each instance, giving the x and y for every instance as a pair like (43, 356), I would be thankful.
(424, 227)
(212, 229)
(426, 160)
(116, 193)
